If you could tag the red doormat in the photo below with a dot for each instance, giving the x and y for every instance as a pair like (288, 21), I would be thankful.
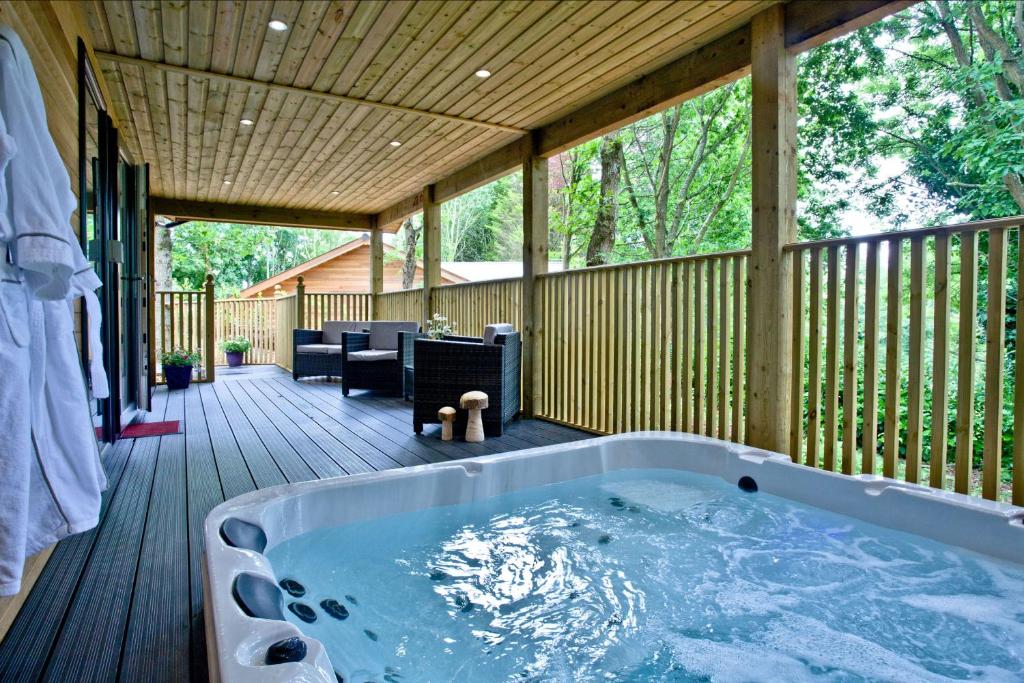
(150, 429)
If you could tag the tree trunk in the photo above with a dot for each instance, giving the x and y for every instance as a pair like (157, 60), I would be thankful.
(409, 267)
(602, 239)
(163, 278)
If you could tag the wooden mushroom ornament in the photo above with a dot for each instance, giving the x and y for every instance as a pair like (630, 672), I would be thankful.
(474, 402)
(447, 417)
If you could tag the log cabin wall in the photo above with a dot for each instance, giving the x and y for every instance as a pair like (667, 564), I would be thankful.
(349, 272)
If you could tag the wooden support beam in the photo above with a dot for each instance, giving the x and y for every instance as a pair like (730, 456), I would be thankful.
(263, 215)
(431, 248)
(376, 271)
(335, 98)
(810, 23)
(535, 263)
(773, 127)
(390, 219)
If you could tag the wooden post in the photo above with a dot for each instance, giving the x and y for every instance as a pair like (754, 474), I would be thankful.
(770, 280)
(376, 270)
(300, 303)
(208, 327)
(535, 262)
(431, 248)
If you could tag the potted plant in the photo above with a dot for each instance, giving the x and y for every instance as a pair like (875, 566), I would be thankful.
(178, 366)
(438, 327)
(234, 348)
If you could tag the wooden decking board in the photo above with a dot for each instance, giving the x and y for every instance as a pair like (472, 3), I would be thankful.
(125, 600)
(94, 628)
(160, 609)
(314, 455)
(232, 469)
(264, 469)
(204, 494)
(358, 438)
(294, 468)
(24, 651)
(335, 411)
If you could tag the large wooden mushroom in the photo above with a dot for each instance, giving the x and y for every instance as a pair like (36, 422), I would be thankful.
(447, 417)
(474, 402)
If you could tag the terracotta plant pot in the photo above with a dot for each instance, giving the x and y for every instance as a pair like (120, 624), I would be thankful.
(234, 358)
(178, 376)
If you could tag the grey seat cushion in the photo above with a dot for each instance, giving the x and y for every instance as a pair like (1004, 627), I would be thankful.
(494, 329)
(334, 328)
(318, 348)
(384, 333)
(372, 355)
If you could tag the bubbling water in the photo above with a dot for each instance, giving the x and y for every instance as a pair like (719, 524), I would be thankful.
(652, 575)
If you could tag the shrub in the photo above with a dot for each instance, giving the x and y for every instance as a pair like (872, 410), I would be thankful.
(180, 358)
(236, 345)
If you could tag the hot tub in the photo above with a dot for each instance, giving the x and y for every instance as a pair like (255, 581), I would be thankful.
(639, 556)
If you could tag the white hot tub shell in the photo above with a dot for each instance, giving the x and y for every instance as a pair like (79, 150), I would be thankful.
(237, 643)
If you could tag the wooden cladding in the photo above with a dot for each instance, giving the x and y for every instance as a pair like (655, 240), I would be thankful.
(896, 337)
(656, 345)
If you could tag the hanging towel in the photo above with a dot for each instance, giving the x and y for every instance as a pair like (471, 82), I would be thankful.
(51, 473)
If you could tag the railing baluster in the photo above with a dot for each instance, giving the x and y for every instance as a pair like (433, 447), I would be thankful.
(869, 445)
(723, 349)
(994, 338)
(832, 361)
(893, 335)
(915, 364)
(814, 406)
(940, 365)
(796, 403)
(738, 347)
(850, 329)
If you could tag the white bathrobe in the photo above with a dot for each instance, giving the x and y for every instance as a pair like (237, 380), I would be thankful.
(50, 473)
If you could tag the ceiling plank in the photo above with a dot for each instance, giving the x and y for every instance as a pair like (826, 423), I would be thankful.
(263, 215)
(290, 89)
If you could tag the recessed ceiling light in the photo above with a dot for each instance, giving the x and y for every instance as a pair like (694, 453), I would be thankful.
(227, 182)
(396, 143)
(246, 122)
(483, 73)
(278, 25)
(335, 192)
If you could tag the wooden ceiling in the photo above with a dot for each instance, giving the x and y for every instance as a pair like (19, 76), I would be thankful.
(182, 75)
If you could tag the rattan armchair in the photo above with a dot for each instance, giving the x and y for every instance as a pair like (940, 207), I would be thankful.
(375, 359)
(447, 368)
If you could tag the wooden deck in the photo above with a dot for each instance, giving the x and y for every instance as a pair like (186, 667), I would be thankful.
(124, 601)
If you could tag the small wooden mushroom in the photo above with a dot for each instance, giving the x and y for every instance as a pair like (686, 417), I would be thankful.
(447, 417)
(474, 402)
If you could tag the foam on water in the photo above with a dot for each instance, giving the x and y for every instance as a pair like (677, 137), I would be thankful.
(652, 575)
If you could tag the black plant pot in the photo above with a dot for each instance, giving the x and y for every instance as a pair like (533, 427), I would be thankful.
(234, 358)
(178, 376)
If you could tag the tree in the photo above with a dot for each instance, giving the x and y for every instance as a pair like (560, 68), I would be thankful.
(411, 233)
(602, 238)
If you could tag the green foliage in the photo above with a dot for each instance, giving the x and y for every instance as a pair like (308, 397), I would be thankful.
(180, 358)
(242, 255)
(236, 345)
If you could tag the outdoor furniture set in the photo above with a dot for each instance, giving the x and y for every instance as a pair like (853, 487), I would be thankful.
(480, 375)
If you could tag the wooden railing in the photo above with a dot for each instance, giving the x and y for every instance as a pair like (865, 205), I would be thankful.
(651, 345)
(319, 307)
(406, 304)
(255, 319)
(183, 321)
(286, 317)
(900, 360)
(472, 305)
